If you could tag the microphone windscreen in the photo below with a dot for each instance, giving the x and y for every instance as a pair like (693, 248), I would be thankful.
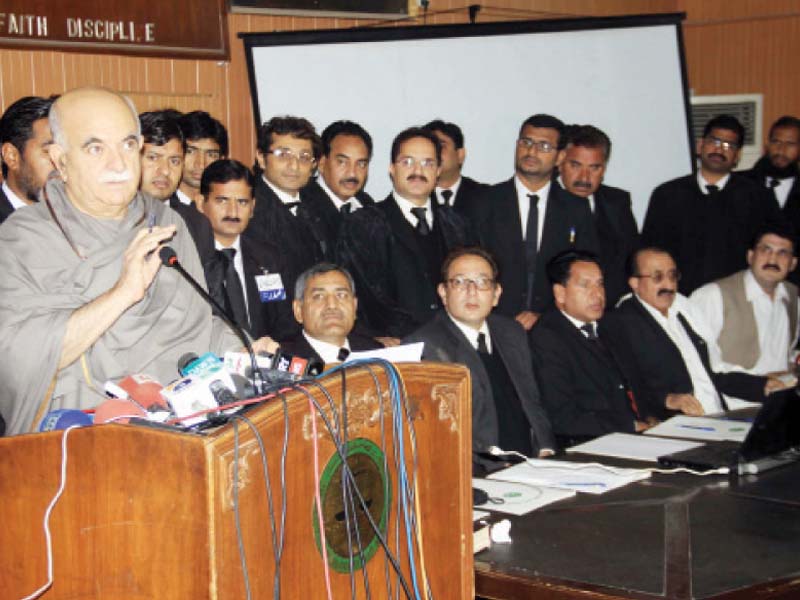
(144, 390)
(185, 360)
(113, 409)
(63, 418)
(167, 256)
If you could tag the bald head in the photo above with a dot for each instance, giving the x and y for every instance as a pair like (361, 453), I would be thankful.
(96, 143)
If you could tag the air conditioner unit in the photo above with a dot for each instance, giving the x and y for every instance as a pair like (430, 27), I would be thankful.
(748, 108)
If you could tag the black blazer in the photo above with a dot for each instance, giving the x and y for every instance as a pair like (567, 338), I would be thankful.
(396, 290)
(298, 345)
(660, 364)
(5, 206)
(583, 391)
(469, 192)
(444, 342)
(708, 239)
(567, 223)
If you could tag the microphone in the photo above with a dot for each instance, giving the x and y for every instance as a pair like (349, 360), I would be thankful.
(170, 259)
(64, 417)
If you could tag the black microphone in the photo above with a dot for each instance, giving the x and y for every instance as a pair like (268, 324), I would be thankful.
(170, 259)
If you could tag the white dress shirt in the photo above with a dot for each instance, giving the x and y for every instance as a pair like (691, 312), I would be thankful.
(701, 181)
(284, 197)
(184, 199)
(16, 201)
(524, 204)
(772, 322)
(782, 189)
(238, 264)
(407, 205)
(338, 202)
(329, 353)
(704, 389)
(472, 334)
(453, 188)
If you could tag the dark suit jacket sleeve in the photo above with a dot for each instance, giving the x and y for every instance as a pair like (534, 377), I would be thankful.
(658, 221)
(741, 385)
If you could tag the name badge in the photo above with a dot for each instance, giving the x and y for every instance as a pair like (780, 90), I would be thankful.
(270, 287)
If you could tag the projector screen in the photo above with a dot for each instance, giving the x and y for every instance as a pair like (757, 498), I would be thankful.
(625, 75)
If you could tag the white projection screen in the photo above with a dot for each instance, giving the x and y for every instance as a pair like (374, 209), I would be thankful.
(625, 75)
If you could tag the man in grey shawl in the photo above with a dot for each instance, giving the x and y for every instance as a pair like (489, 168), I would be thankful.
(83, 297)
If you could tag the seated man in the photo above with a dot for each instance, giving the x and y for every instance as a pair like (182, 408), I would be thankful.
(752, 314)
(83, 298)
(325, 304)
(586, 383)
(505, 398)
(669, 344)
(245, 275)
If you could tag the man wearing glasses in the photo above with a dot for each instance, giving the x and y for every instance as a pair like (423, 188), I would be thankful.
(506, 410)
(670, 347)
(706, 221)
(288, 149)
(527, 220)
(395, 249)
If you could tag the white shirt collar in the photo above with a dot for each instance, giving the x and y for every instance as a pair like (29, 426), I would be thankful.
(237, 245)
(753, 291)
(329, 353)
(578, 324)
(453, 188)
(338, 202)
(542, 192)
(703, 183)
(183, 198)
(15, 200)
(407, 205)
(472, 334)
(284, 197)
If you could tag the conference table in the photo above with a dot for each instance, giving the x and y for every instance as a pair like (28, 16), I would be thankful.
(674, 536)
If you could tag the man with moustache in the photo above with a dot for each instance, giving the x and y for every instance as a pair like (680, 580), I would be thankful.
(506, 410)
(245, 275)
(287, 153)
(205, 140)
(24, 144)
(527, 220)
(162, 169)
(670, 348)
(338, 190)
(84, 299)
(582, 168)
(587, 383)
(706, 221)
(752, 315)
(325, 304)
(395, 249)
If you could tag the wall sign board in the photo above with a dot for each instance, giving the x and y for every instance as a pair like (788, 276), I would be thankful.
(344, 8)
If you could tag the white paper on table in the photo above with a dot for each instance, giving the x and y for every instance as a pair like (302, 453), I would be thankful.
(635, 447)
(395, 354)
(580, 477)
(702, 428)
(518, 498)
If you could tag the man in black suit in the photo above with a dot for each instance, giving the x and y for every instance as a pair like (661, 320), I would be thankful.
(287, 153)
(325, 304)
(338, 189)
(506, 411)
(669, 345)
(706, 221)
(205, 140)
(452, 187)
(527, 220)
(245, 276)
(587, 383)
(778, 171)
(581, 170)
(24, 141)
(395, 249)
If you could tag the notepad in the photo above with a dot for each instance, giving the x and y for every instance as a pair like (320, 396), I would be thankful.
(634, 447)
(702, 428)
(579, 477)
(518, 498)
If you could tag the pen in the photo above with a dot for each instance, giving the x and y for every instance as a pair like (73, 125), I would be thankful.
(698, 427)
(571, 235)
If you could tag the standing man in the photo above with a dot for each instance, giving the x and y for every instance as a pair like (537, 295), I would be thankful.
(506, 410)
(527, 220)
(245, 276)
(395, 249)
(206, 140)
(706, 221)
(24, 146)
(338, 189)
(582, 168)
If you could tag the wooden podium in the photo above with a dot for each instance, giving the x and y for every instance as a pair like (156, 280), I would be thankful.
(150, 513)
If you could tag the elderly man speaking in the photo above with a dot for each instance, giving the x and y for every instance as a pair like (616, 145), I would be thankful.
(83, 298)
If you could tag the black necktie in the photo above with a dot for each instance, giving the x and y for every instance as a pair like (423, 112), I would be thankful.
(343, 354)
(482, 343)
(290, 205)
(345, 208)
(234, 295)
(702, 351)
(422, 223)
(773, 183)
(447, 194)
(712, 189)
(531, 244)
(588, 329)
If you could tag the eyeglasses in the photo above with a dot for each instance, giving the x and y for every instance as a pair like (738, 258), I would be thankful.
(542, 146)
(409, 161)
(779, 252)
(285, 155)
(672, 276)
(462, 283)
(724, 144)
